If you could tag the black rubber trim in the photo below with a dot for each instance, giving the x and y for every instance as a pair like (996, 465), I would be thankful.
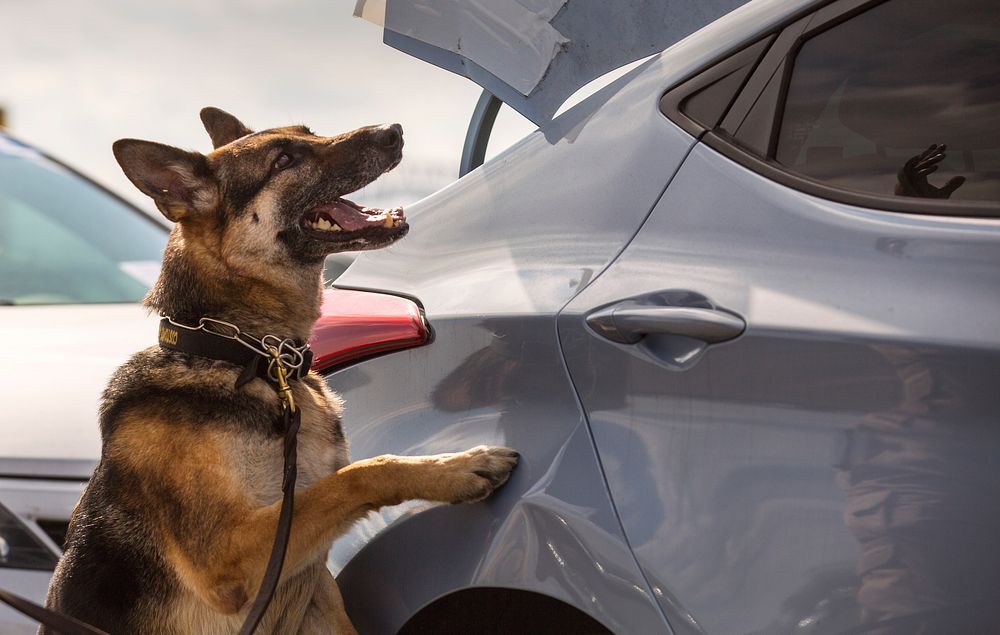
(28, 477)
(835, 13)
(757, 129)
(761, 77)
(672, 103)
(78, 470)
(729, 148)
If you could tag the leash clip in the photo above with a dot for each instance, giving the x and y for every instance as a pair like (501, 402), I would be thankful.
(284, 390)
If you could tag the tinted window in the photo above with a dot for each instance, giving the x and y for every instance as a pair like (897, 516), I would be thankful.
(903, 99)
(64, 241)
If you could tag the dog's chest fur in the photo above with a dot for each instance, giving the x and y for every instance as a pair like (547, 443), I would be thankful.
(244, 422)
(321, 447)
(258, 464)
(162, 415)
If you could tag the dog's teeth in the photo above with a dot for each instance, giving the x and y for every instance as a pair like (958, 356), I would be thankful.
(325, 225)
(388, 221)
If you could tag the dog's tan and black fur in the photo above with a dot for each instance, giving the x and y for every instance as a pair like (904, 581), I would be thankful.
(174, 529)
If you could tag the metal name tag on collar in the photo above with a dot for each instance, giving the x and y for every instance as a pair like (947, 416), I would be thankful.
(168, 335)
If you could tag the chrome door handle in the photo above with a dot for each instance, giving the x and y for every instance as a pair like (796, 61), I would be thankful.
(629, 322)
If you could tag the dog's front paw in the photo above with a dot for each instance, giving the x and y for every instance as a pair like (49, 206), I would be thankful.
(471, 476)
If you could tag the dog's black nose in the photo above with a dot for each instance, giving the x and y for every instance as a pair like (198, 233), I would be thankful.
(390, 137)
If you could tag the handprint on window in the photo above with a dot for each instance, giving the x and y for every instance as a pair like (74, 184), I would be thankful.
(913, 175)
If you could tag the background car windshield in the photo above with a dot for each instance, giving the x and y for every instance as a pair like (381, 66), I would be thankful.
(65, 241)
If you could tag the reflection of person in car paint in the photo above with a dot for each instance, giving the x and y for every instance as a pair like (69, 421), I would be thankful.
(921, 498)
(913, 175)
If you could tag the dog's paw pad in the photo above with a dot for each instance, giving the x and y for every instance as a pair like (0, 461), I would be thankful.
(484, 470)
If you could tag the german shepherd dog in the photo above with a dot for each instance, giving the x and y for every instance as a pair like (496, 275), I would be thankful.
(174, 529)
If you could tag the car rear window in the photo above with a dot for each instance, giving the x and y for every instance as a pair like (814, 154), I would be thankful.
(901, 100)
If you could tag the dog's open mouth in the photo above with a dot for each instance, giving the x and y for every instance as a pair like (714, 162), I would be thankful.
(342, 219)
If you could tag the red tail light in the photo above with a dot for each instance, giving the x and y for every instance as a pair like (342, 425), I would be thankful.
(356, 325)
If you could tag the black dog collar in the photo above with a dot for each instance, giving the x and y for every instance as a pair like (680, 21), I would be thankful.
(253, 354)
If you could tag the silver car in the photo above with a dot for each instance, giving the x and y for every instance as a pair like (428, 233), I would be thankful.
(738, 310)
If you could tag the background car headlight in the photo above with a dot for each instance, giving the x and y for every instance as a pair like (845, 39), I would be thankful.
(19, 548)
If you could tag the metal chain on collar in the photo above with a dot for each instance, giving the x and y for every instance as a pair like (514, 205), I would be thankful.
(282, 353)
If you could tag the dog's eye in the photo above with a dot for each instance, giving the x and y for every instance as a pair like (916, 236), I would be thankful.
(283, 161)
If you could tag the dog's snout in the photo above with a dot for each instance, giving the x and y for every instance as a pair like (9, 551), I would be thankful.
(390, 137)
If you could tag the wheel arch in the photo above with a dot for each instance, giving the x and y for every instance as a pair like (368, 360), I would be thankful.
(500, 611)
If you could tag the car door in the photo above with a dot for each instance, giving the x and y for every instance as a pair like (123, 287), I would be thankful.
(791, 372)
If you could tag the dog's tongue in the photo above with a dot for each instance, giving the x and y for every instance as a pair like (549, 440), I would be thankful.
(352, 218)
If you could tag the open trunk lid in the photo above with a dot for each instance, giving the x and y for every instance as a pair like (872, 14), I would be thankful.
(533, 54)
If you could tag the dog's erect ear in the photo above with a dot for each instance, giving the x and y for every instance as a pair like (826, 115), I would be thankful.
(222, 127)
(179, 182)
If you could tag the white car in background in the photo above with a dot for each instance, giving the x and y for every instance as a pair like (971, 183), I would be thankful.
(74, 262)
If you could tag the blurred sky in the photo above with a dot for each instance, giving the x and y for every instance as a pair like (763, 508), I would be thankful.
(75, 76)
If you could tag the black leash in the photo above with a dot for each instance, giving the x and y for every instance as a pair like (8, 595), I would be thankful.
(56, 621)
(292, 418)
(270, 358)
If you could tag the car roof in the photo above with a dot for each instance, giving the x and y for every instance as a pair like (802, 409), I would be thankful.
(12, 146)
(533, 54)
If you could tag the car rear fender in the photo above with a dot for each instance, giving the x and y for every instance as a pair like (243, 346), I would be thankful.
(560, 539)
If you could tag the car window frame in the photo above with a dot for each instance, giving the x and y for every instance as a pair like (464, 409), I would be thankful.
(779, 57)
